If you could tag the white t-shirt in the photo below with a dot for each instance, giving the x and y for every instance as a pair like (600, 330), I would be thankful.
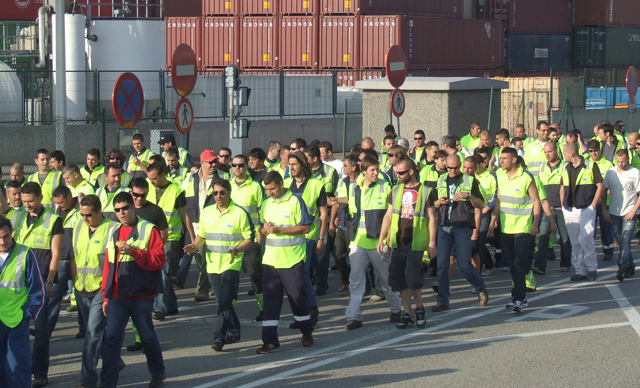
(3, 258)
(624, 187)
(338, 165)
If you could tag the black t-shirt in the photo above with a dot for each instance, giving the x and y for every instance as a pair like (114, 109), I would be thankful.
(180, 201)
(444, 212)
(407, 211)
(57, 225)
(573, 176)
(295, 190)
(258, 176)
(153, 213)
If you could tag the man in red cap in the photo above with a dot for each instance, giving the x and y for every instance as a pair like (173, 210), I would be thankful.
(196, 188)
(167, 141)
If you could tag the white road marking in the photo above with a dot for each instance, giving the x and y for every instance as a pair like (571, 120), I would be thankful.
(544, 313)
(512, 336)
(627, 308)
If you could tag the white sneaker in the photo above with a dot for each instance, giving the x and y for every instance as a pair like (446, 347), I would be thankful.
(524, 303)
(486, 272)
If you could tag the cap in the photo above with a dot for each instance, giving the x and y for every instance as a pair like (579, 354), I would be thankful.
(302, 159)
(167, 138)
(208, 156)
(404, 143)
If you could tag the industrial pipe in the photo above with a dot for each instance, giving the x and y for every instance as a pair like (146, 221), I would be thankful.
(42, 35)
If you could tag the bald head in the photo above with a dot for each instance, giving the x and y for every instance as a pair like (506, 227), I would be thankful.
(634, 136)
(367, 143)
(453, 160)
(570, 150)
(549, 146)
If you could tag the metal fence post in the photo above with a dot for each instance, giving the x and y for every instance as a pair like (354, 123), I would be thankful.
(606, 100)
(584, 89)
(96, 97)
(615, 80)
(281, 93)
(161, 94)
(490, 109)
(550, 95)
(224, 97)
(334, 91)
(523, 104)
(344, 128)
(104, 134)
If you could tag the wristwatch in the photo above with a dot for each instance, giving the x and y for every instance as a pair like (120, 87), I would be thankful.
(236, 251)
(49, 283)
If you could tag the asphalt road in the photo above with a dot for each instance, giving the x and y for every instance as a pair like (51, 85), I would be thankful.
(571, 335)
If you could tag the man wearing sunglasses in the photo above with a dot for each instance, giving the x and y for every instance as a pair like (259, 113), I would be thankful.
(228, 232)
(606, 229)
(534, 152)
(298, 144)
(168, 141)
(90, 239)
(224, 160)
(248, 194)
(131, 279)
(418, 152)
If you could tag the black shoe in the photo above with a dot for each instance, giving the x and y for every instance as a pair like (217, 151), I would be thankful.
(406, 322)
(334, 268)
(434, 273)
(176, 282)
(135, 347)
(592, 276)
(39, 381)
(395, 317)
(435, 287)
(217, 345)
(577, 278)
(172, 312)
(630, 272)
(320, 292)
(421, 317)
(157, 381)
(620, 276)
(159, 316)
(81, 334)
(352, 325)
(294, 325)
(551, 256)
(259, 316)
(231, 338)
(315, 313)
(251, 293)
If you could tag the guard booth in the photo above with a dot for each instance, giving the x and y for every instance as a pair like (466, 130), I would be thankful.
(437, 105)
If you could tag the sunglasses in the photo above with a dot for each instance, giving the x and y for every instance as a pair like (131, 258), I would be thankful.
(221, 192)
(590, 151)
(453, 168)
(293, 149)
(223, 156)
(391, 155)
(113, 157)
(121, 209)
(239, 165)
(138, 195)
(398, 173)
(418, 138)
(86, 215)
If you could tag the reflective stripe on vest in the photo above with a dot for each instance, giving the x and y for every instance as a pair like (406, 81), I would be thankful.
(421, 233)
(26, 237)
(516, 207)
(90, 261)
(48, 187)
(167, 203)
(14, 291)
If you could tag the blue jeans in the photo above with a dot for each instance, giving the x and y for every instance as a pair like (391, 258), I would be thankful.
(308, 288)
(167, 301)
(40, 355)
(624, 231)
(118, 313)
(95, 322)
(224, 285)
(460, 237)
(485, 256)
(15, 357)
(185, 262)
(516, 249)
(322, 280)
(606, 232)
(57, 293)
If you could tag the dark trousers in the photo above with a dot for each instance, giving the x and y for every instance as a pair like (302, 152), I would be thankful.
(543, 243)
(40, 355)
(58, 292)
(308, 264)
(322, 280)
(516, 248)
(15, 355)
(118, 313)
(224, 285)
(341, 253)
(606, 232)
(252, 265)
(167, 301)
(485, 256)
(275, 281)
(95, 322)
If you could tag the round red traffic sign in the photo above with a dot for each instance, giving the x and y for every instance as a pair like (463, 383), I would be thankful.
(632, 82)
(183, 70)
(397, 102)
(396, 66)
(184, 115)
(127, 100)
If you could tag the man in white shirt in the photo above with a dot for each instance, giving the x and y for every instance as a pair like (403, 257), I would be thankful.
(623, 183)
(326, 155)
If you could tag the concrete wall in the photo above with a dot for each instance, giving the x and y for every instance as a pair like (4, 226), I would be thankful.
(436, 113)
(585, 119)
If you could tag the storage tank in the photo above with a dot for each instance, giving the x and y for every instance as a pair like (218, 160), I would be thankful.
(135, 45)
(10, 95)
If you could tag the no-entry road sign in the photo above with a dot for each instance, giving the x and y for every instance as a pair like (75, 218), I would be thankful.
(396, 66)
(127, 100)
(397, 102)
(184, 115)
(183, 70)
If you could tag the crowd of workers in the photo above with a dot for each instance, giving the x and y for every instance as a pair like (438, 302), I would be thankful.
(117, 237)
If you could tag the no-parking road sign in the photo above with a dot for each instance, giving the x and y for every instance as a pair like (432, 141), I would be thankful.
(127, 100)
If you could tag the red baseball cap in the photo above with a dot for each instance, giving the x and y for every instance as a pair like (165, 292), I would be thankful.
(208, 156)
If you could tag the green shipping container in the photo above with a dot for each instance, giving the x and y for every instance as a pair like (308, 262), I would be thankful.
(10, 31)
(622, 47)
(588, 46)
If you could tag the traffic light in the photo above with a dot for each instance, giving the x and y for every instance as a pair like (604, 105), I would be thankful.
(233, 73)
(242, 96)
(241, 128)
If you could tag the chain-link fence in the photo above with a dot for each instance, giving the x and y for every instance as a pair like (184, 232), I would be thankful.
(524, 108)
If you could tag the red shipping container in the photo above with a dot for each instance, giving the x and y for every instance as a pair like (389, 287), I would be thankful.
(220, 42)
(259, 42)
(608, 13)
(299, 7)
(433, 42)
(182, 8)
(530, 17)
(220, 7)
(350, 77)
(339, 42)
(20, 9)
(299, 42)
(259, 7)
(184, 30)
(449, 8)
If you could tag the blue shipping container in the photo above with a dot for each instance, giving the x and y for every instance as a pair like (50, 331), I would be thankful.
(537, 52)
(597, 98)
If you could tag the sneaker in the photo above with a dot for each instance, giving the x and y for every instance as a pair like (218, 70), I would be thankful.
(352, 325)
(231, 338)
(211, 292)
(259, 316)
(607, 257)
(524, 303)
(81, 334)
(267, 348)
(421, 318)
(505, 269)
(630, 272)
(201, 297)
(483, 298)
(439, 307)
(537, 271)
(157, 381)
(173, 312)
(39, 381)
(176, 282)
(334, 268)
(486, 272)
(307, 340)
(577, 278)
(343, 289)
(135, 347)
(159, 316)
(320, 292)
(620, 276)
(517, 306)
(375, 298)
(406, 322)
(592, 276)
(395, 317)
(564, 269)
(217, 345)
(72, 308)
